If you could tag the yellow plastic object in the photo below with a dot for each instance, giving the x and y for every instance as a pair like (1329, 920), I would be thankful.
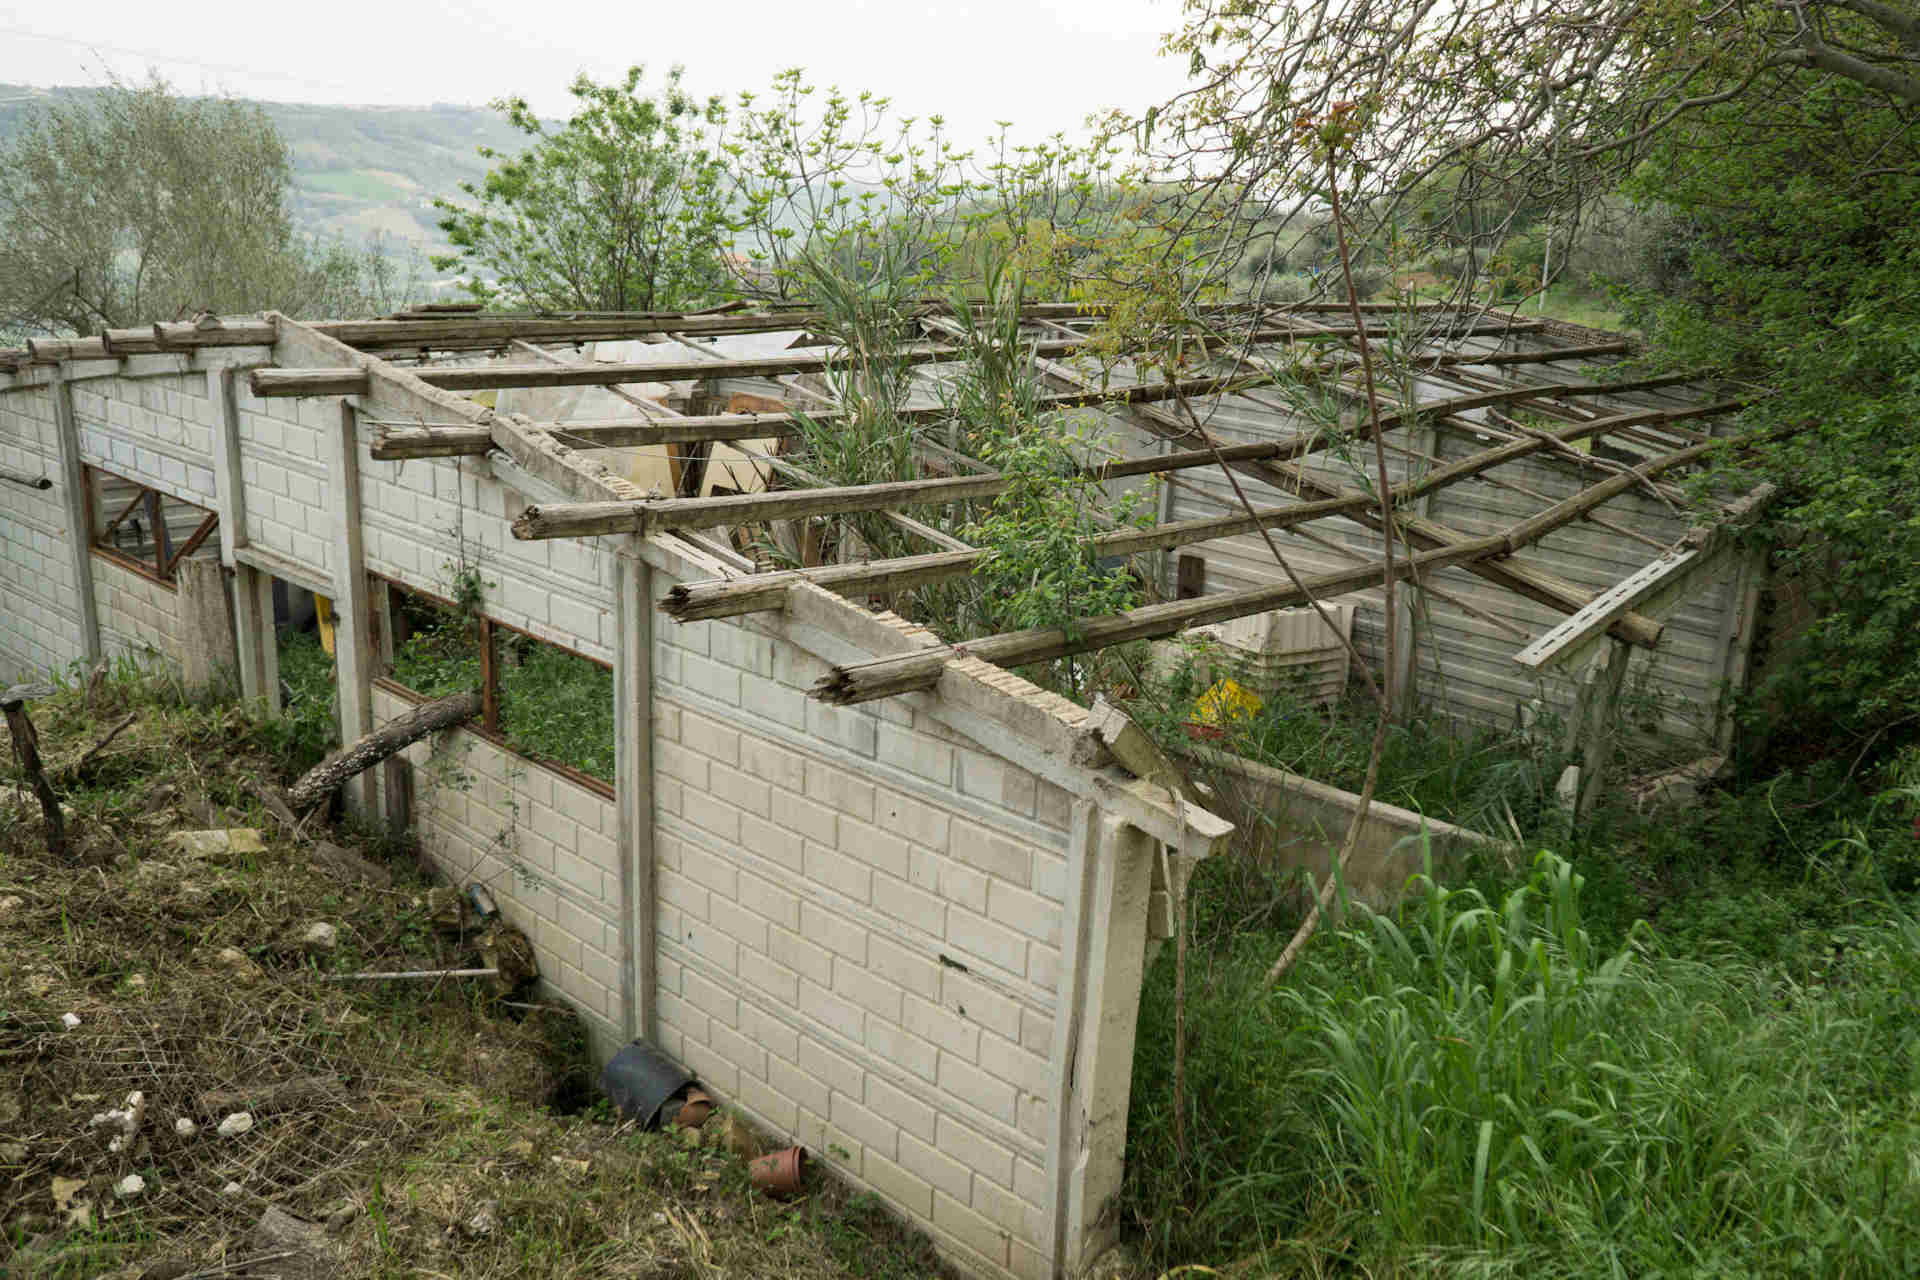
(1226, 702)
(323, 613)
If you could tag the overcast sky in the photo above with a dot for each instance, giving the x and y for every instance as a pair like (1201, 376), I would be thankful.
(1043, 64)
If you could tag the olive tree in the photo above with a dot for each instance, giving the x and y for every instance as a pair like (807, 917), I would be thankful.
(131, 204)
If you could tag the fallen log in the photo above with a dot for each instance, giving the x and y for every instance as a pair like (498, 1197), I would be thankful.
(355, 758)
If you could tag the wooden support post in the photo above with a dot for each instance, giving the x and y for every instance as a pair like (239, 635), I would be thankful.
(1600, 726)
(633, 787)
(26, 750)
(353, 655)
(1425, 438)
(73, 485)
(1093, 1156)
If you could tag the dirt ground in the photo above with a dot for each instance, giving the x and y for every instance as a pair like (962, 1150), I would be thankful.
(416, 1128)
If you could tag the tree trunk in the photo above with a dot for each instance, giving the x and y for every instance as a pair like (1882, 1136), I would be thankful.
(320, 781)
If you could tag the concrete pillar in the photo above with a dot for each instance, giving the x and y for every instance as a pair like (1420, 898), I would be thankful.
(1599, 724)
(255, 646)
(633, 773)
(207, 659)
(73, 494)
(1110, 929)
(352, 648)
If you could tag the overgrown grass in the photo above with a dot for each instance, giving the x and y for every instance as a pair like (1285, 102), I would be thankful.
(441, 1148)
(554, 705)
(1483, 1083)
(1462, 774)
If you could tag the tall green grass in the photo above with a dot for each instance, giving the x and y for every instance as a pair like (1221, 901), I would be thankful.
(1475, 1085)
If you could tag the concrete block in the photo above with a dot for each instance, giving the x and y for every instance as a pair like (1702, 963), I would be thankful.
(916, 753)
(840, 790)
(711, 813)
(766, 1101)
(768, 900)
(1000, 1206)
(919, 822)
(973, 1000)
(718, 948)
(773, 764)
(937, 1169)
(987, 1158)
(910, 970)
(774, 701)
(941, 1026)
(1025, 913)
(901, 901)
(903, 1049)
(993, 853)
(743, 791)
(874, 1132)
(841, 874)
(739, 1050)
(972, 1229)
(983, 942)
(809, 959)
(851, 729)
(837, 1071)
(990, 1094)
(875, 847)
(843, 1016)
(804, 1088)
(767, 975)
(1012, 1063)
(868, 990)
(737, 922)
(776, 844)
(711, 998)
(710, 738)
(814, 821)
(904, 1111)
(912, 1194)
(940, 875)
(769, 1031)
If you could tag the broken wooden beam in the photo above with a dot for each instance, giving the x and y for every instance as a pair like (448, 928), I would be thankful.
(922, 668)
(395, 444)
(26, 750)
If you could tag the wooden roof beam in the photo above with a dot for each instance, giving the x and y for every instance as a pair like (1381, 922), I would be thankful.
(730, 597)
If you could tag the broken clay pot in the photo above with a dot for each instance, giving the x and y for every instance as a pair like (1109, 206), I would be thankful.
(778, 1174)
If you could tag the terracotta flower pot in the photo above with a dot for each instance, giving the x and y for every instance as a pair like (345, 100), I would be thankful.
(694, 1111)
(778, 1174)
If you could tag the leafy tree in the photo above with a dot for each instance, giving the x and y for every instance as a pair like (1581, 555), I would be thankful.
(1775, 148)
(621, 209)
(131, 205)
(1796, 251)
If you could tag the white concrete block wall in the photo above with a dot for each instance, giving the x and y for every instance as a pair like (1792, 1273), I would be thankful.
(858, 931)
(422, 518)
(39, 606)
(544, 846)
(139, 617)
(156, 429)
(284, 471)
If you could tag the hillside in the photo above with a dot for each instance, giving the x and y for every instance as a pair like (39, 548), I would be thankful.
(357, 170)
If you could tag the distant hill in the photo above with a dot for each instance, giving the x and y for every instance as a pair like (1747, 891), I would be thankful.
(358, 170)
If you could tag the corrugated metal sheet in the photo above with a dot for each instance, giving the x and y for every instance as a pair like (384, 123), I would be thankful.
(1466, 666)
